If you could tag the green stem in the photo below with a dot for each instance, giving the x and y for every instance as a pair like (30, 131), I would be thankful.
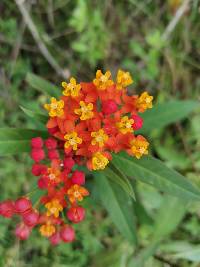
(31, 192)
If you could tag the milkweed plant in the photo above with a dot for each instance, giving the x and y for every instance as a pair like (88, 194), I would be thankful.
(88, 125)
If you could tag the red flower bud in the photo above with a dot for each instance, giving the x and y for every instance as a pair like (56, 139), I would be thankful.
(138, 122)
(37, 142)
(76, 214)
(38, 169)
(51, 143)
(67, 233)
(109, 107)
(43, 183)
(53, 154)
(68, 163)
(55, 239)
(53, 130)
(31, 218)
(22, 205)
(7, 208)
(22, 231)
(37, 154)
(78, 177)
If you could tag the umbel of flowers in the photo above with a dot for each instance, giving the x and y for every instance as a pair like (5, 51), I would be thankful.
(89, 122)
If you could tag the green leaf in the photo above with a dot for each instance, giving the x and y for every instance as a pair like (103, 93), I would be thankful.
(153, 172)
(181, 250)
(164, 114)
(42, 85)
(143, 255)
(173, 158)
(119, 206)
(170, 214)
(13, 141)
(14, 147)
(36, 195)
(35, 115)
(190, 254)
(121, 180)
(142, 216)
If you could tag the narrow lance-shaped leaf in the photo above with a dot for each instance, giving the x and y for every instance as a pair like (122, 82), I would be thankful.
(35, 115)
(143, 217)
(144, 254)
(13, 141)
(191, 253)
(121, 180)
(42, 85)
(118, 204)
(153, 172)
(170, 214)
(164, 114)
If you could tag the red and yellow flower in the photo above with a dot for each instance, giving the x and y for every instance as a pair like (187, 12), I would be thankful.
(102, 81)
(72, 140)
(76, 193)
(72, 88)
(53, 208)
(55, 108)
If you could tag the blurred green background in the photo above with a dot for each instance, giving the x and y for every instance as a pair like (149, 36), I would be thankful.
(60, 38)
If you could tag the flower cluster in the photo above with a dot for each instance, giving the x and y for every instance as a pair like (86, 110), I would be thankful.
(96, 118)
(63, 191)
(86, 125)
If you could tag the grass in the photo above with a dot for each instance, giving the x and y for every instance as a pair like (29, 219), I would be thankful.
(82, 36)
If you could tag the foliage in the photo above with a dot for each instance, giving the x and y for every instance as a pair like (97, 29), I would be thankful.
(83, 35)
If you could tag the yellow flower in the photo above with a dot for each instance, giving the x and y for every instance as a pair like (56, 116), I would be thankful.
(77, 192)
(144, 102)
(123, 79)
(99, 138)
(47, 230)
(139, 147)
(55, 108)
(53, 208)
(99, 161)
(125, 125)
(85, 111)
(102, 81)
(72, 140)
(72, 88)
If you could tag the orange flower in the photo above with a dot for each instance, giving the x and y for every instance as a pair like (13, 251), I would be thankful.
(99, 161)
(53, 207)
(102, 81)
(55, 108)
(76, 192)
(123, 79)
(139, 147)
(125, 125)
(85, 111)
(99, 138)
(72, 88)
(144, 102)
(54, 175)
(72, 140)
(47, 230)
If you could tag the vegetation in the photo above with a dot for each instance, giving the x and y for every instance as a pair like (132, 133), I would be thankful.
(62, 38)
